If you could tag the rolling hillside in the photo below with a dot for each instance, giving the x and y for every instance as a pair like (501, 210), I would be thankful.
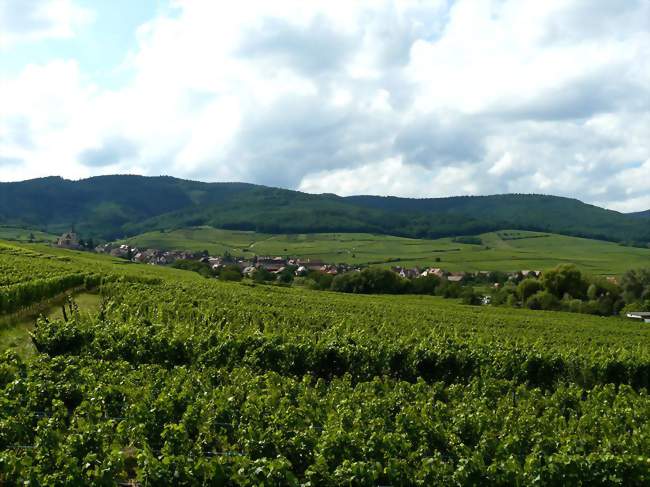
(509, 250)
(110, 207)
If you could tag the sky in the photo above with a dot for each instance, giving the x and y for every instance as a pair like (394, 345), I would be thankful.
(408, 98)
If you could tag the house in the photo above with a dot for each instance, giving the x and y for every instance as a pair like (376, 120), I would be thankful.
(123, 251)
(639, 315)
(456, 277)
(104, 249)
(531, 274)
(249, 271)
(68, 240)
(243, 264)
(271, 266)
(330, 269)
(433, 271)
(312, 264)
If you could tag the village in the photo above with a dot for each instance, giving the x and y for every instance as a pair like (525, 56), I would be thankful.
(279, 265)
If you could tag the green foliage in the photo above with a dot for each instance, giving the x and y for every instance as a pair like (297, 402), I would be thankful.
(449, 290)
(636, 285)
(113, 206)
(424, 285)
(262, 275)
(470, 240)
(201, 268)
(528, 287)
(230, 273)
(369, 281)
(578, 294)
(543, 300)
(321, 280)
(186, 381)
(565, 279)
(511, 252)
(469, 296)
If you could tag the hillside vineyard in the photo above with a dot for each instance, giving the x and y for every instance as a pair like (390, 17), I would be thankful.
(179, 380)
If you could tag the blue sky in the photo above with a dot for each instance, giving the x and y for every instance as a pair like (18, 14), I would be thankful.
(409, 98)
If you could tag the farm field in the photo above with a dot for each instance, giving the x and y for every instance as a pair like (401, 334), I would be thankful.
(20, 234)
(506, 250)
(175, 379)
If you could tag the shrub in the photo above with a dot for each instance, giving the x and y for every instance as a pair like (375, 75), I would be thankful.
(230, 275)
(528, 287)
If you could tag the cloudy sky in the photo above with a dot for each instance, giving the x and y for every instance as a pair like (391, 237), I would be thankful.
(431, 98)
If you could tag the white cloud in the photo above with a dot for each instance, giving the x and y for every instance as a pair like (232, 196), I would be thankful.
(410, 98)
(33, 20)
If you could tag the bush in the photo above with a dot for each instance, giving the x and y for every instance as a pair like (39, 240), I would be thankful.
(527, 288)
(565, 279)
(468, 296)
(230, 275)
(449, 290)
(323, 280)
(424, 285)
(543, 300)
(369, 281)
(195, 266)
(262, 275)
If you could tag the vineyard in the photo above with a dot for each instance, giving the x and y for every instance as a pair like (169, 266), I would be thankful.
(180, 380)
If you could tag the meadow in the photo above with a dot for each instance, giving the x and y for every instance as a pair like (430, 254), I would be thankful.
(20, 234)
(509, 250)
(164, 377)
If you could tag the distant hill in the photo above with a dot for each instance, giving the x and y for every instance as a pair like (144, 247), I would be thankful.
(110, 207)
(641, 214)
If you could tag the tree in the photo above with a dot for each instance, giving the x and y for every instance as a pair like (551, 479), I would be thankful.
(286, 276)
(230, 274)
(527, 288)
(468, 296)
(636, 285)
(565, 279)
(424, 285)
(322, 280)
(262, 275)
(369, 281)
(543, 300)
(449, 289)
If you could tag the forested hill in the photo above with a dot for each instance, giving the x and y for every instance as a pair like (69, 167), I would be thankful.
(641, 214)
(114, 206)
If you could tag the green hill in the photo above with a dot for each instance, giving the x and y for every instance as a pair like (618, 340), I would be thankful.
(508, 250)
(641, 214)
(110, 207)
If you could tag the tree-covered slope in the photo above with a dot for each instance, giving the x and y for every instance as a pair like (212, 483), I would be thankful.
(641, 214)
(525, 211)
(115, 206)
(102, 205)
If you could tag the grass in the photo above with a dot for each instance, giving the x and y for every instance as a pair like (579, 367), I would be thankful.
(14, 329)
(505, 250)
(19, 234)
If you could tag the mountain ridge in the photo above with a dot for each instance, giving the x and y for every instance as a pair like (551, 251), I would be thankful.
(114, 206)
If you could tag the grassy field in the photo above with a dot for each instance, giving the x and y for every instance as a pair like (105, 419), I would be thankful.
(505, 250)
(19, 234)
